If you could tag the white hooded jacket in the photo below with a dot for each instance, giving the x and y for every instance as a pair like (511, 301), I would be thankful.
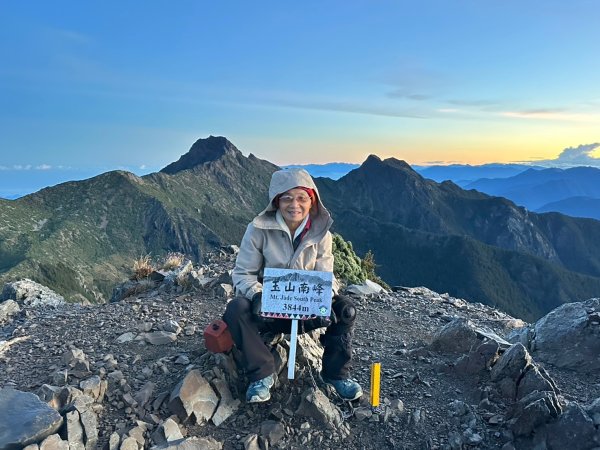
(267, 244)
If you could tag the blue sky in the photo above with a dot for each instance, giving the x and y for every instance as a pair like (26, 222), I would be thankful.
(87, 87)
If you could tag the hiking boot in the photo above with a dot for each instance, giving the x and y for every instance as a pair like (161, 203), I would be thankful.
(347, 389)
(259, 391)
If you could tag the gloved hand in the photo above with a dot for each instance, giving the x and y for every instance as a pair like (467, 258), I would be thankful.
(257, 304)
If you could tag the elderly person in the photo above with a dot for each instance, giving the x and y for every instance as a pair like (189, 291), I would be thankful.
(291, 233)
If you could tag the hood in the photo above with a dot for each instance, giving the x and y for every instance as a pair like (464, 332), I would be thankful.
(286, 179)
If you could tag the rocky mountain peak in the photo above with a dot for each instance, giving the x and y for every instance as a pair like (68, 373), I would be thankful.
(212, 148)
(375, 166)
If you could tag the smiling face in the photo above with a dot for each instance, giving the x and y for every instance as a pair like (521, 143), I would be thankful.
(294, 206)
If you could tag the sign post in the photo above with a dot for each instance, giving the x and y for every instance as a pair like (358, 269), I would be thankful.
(292, 355)
(296, 295)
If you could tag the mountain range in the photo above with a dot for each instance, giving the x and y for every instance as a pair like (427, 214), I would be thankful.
(548, 189)
(80, 238)
(574, 191)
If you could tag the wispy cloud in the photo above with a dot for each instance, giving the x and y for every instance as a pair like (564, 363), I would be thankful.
(353, 107)
(402, 93)
(475, 103)
(69, 35)
(44, 167)
(552, 114)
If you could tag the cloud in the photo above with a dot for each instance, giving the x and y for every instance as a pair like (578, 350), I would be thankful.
(339, 105)
(402, 93)
(481, 103)
(552, 114)
(69, 35)
(20, 167)
(574, 156)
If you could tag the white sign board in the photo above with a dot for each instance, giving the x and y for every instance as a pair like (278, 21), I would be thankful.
(296, 294)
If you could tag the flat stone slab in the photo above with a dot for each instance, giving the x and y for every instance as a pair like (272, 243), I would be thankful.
(160, 337)
(25, 419)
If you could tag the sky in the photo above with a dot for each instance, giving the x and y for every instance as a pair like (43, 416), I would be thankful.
(87, 87)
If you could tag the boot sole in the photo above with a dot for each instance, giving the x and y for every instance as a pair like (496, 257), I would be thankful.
(257, 399)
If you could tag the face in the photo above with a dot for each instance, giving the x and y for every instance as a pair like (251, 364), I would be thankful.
(294, 206)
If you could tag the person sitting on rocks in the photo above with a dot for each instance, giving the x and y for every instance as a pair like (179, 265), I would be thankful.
(291, 233)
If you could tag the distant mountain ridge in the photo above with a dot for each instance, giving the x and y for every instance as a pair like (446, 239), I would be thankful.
(80, 238)
(577, 206)
(461, 174)
(536, 188)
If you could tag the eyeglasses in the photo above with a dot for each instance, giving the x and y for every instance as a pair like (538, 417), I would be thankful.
(302, 199)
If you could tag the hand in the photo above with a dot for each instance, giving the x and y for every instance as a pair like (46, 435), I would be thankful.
(257, 303)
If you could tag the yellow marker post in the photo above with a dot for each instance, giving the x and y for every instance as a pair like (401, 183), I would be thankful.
(375, 381)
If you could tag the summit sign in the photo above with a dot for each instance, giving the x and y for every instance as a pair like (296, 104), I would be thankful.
(296, 294)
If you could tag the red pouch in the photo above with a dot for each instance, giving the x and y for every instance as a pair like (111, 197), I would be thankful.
(217, 337)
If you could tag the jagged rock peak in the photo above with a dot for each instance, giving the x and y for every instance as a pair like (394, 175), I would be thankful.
(375, 161)
(374, 168)
(212, 148)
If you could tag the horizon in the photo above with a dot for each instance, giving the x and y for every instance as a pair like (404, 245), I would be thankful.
(58, 175)
(89, 87)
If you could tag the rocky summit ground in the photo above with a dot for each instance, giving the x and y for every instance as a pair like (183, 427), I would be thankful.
(139, 348)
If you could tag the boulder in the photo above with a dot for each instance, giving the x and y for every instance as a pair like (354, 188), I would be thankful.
(227, 405)
(461, 336)
(25, 419)
(8, 309)
(30, 293)
(512, 363)
(316, 405)
(367, 288)
(533, 410)
(571, 326)
(168, 431)
(129, 443)
(193, 395)
(170, 326)
(482, 358)
(309, 351)
(573, 429)
(251, 442)
(143, 396)
(54, 442)
(273, 431)
(535, 379)
(91, 386)
(74, 431)
(90, 427)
